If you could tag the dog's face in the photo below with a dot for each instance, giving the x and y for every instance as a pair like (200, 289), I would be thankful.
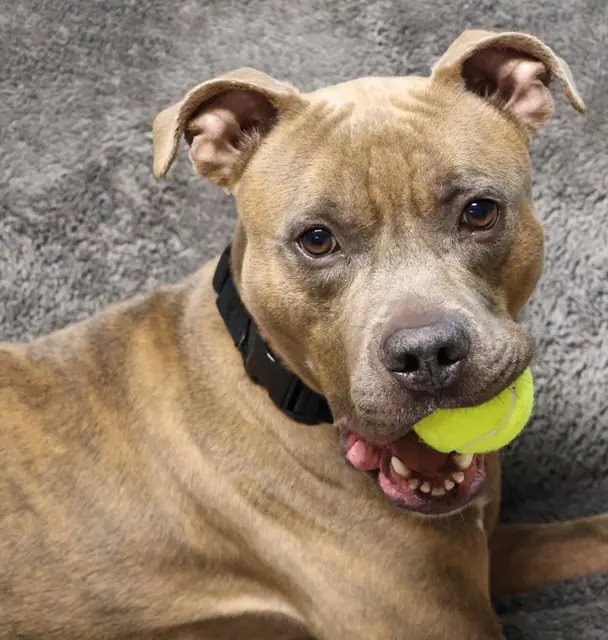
(387, 238)
(396, 247)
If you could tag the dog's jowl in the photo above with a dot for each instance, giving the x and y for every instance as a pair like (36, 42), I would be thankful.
(234, 456)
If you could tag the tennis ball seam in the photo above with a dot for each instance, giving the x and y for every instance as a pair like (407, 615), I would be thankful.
(501, 428)
(445, 430)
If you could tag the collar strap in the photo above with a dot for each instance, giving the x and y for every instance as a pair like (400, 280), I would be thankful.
(285, 389)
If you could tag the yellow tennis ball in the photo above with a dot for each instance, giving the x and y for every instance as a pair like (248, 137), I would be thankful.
(488, 427)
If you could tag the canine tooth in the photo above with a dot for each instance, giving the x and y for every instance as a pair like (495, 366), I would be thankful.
(400, 468)
(438, 491)
(464, 460)
(414, 483)
(449, 485)
(458, 477)
(425, 487)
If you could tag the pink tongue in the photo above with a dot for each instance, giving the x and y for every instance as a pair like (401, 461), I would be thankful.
(416, 455)
(364, 456)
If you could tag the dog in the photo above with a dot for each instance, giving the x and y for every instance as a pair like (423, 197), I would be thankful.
(233, 456)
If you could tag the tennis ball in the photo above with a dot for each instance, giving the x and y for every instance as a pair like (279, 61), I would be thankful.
(488, 427)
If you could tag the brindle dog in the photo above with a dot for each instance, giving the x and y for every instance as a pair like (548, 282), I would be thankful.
(386, 244)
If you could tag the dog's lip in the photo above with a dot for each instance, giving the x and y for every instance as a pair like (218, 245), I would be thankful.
(434, 473)
(462, 495)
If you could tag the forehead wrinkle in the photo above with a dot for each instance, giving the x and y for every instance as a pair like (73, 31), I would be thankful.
(393, 158)
(454, 186)
(382, 142)
(451, 170)
(405, 138)
(316, 123)
(389, 149)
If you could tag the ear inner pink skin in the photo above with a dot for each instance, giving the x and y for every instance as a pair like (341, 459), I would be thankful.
(212, 150)
(531, 101)
(219, 133)
(516, 68)
(520, 82)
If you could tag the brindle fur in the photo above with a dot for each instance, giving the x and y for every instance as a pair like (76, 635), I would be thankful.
(149, 490)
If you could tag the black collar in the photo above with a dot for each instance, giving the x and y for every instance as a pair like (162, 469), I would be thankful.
(285, 389)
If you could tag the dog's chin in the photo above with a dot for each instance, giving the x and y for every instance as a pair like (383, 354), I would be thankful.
(415, 477)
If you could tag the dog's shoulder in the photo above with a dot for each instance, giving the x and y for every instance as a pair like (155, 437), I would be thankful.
(92, 361)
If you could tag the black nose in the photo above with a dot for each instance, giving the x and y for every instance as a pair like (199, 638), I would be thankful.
(427, 358)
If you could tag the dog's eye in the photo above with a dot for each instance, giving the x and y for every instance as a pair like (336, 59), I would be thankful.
(318, 242)
(479, 215)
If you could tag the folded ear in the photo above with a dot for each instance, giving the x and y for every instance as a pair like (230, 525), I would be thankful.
(512, 70)
(223, 120)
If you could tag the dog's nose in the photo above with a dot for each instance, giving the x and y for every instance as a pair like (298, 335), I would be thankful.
(427, 358)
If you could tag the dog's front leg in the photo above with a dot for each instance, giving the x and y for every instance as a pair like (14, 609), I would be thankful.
(526, 557)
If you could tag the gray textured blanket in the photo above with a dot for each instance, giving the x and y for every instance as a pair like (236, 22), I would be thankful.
(83, 223)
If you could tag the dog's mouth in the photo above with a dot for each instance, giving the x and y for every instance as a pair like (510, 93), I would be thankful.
(414, 476)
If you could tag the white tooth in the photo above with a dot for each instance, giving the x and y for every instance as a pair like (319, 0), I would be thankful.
(425, 487)
(464, 460)
(449, 485)
(458, 476)
(414, 483)
(438, 491)
(400, 468)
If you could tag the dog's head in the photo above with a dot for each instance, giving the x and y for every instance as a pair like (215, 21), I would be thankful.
(387, 239)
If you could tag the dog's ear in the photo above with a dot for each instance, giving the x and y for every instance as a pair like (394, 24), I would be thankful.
(223, 120)
(513, 70)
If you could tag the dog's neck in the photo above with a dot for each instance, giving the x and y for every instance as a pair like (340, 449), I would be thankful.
(288, 392)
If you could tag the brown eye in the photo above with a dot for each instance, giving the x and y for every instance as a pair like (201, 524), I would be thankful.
(479, 215)
(318, 242)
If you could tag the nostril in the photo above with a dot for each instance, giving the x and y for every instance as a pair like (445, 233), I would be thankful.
(410, 363)
(445, 357)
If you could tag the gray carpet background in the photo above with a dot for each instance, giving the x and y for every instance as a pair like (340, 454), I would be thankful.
(84, 224)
